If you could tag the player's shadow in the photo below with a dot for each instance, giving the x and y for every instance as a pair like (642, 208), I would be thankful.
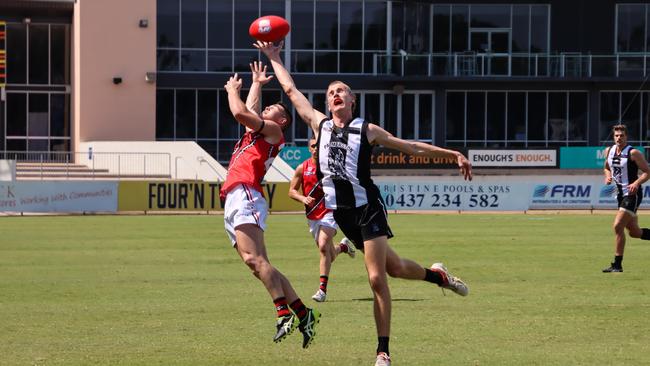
(398, 299)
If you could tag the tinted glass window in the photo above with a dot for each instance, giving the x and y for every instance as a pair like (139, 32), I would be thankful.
(375, 23)
(302, 24)
(219, 60)
(220, 23)
(408, 116)
(490, 16)
(520, 22)
(245, 12)
(164, 114)
(351, 27)
(167, 60)
(557, 117)
(16, 54)
(272, 7)
(459, 27)
(441, 28)
(578, 116)
(38, 54)
(516, 119)
(631, 28)
(496, 118)
(631, 115)
(426, 116)
(609, 114)
(537, 119)
(193, 23)
(372, 108)
(59, 54)
(167, 24)
(60, 115)
(539, 28)
(16, 114)
(398, 26)
(417, 27)
(455, 126)
(390, 113)
(228, 126)
(193, 61)
(326, 62)
(475, 118)
(38, 120)
(185, 114)
(326, 25)
(207, 114)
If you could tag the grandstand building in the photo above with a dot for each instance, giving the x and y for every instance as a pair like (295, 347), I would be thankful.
(470, 74)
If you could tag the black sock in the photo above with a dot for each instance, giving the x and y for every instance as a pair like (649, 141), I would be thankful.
(382, 345)
(433, 277)
(645, 234)
(618, 261)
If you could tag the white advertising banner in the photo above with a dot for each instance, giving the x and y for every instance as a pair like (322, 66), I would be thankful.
(512, 158)
(427, 193)
(59, 196)
(500, 193)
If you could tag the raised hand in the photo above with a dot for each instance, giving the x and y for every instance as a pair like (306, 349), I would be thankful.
(269, 49)
(259, 73)
(233, 84)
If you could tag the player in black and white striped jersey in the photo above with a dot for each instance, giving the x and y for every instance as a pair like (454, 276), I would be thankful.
(344, 152)
(622, 168)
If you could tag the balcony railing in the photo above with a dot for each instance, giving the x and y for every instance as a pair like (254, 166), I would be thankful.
(89, 165)
(537, 65)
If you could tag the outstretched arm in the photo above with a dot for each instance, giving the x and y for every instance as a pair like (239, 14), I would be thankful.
(245, 117)
(259, 79)
(305, 110)
(379, 136)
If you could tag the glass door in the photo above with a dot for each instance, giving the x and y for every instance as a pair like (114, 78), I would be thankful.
(492, 48)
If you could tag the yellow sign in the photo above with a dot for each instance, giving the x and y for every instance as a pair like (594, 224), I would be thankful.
(192, 196)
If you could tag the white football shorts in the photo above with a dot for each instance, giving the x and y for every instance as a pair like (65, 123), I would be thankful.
(326, 221)
(244, 205)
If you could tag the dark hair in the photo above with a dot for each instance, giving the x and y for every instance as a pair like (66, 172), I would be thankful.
(287, 113)
(620, 127)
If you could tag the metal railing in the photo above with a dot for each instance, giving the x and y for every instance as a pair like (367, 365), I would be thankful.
(93, 165)
(536, 65)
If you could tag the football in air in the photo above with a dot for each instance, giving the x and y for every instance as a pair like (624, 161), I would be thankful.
(269, 28)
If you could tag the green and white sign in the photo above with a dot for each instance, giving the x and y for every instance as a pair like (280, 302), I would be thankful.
(585, 157)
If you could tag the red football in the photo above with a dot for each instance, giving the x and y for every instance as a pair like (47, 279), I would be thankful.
(269, 28)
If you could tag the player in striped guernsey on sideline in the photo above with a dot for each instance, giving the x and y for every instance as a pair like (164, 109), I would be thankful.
(622, 167)
(322, 225)
(246, 209)
(344, 152)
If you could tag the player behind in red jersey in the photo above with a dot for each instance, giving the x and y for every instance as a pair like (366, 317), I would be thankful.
(245, 209)
(322, 225)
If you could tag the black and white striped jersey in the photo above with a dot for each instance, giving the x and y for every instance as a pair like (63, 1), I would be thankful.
(624, 169)
(344, 164)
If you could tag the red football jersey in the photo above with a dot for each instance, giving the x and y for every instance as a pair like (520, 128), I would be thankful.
(311, 187)
(249, 162)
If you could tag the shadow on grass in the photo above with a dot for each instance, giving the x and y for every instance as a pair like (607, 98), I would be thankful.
(371, 299)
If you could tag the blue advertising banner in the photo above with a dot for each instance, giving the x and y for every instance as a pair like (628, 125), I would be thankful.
(294, 155)
(585, 157)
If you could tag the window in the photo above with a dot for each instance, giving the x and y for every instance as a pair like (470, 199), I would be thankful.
(631, 27)
(516, 119)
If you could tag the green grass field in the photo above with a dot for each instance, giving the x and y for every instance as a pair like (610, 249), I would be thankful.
(169, 290)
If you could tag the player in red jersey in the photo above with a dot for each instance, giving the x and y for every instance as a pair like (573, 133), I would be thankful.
(322, 225)
(246, 209)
